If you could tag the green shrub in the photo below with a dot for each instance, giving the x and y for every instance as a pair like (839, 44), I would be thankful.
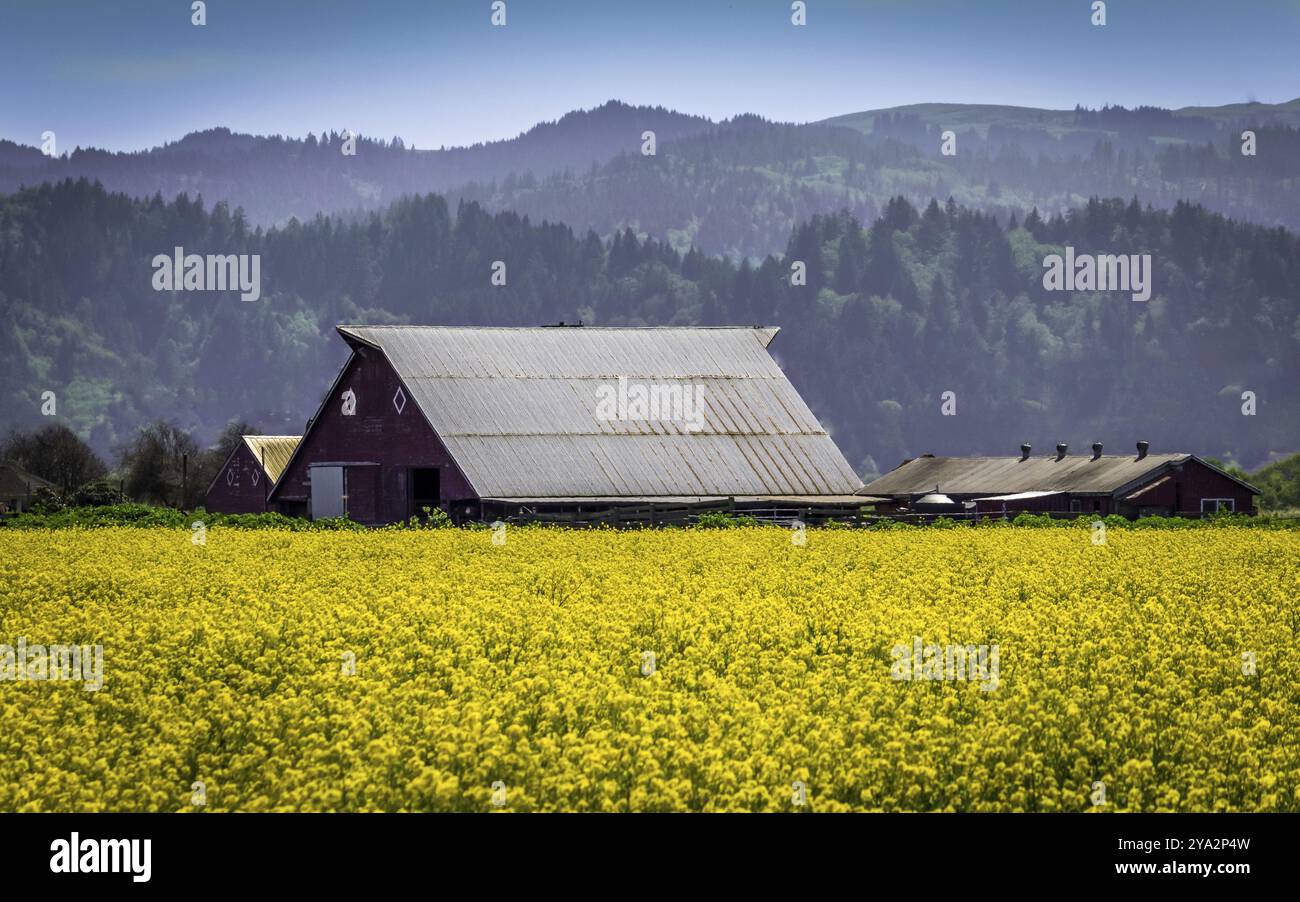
(335, 523)
(436, 518)
(100, 493)
(714, 520)
(46, 500)
(146, 516)
(892, 524)
(1163, 523)
(255, 521)
(108, 515)
(1033, 521)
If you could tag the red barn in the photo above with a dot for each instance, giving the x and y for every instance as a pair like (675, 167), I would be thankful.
(479, 421)
(1133, 486)
(243, 484)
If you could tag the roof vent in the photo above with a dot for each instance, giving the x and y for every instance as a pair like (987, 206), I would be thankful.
(1096, 450)
(1142, 449)
(1061, 449)
(1024, 451)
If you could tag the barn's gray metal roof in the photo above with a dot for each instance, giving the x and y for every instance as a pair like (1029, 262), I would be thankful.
(1006, 475)
(516, 408)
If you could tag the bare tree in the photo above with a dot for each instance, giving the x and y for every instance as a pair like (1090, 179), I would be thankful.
(154, 464)
(56, 454)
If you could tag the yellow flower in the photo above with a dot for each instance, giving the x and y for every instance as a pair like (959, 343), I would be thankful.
(654, 671)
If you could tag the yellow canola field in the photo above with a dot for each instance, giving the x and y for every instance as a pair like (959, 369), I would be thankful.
(516, 677)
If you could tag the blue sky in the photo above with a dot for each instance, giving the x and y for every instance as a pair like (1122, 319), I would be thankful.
(130, 74)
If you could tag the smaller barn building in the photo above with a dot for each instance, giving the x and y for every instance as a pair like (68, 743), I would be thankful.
(17, 487)
(1137, 485)
(244, 482)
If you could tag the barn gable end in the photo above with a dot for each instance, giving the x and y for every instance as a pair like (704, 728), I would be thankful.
(378, 444)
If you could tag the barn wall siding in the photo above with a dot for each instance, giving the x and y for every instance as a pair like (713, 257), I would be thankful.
(240, 487)
(1187, 487)
(377, 433)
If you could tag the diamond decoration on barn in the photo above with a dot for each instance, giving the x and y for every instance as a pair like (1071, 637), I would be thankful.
(230, 476)
(399, 400)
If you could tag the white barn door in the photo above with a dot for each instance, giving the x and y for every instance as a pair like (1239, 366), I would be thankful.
(326, 492)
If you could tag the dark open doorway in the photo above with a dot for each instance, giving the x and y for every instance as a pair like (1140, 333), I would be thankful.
(425, 484)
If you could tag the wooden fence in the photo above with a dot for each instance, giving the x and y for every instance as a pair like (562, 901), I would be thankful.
(656, 515)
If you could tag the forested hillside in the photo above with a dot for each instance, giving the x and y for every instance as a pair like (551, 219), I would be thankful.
(738, 187)
(919, 303)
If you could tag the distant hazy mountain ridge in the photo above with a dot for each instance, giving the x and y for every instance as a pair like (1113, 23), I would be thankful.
(738, 187)
(275, 178)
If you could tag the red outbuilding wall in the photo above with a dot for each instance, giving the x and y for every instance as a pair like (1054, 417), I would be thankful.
(1184, 490)
(241, 486)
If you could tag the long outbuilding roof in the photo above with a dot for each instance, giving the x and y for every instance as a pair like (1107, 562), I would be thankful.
(517, 410)
(1080, 474)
